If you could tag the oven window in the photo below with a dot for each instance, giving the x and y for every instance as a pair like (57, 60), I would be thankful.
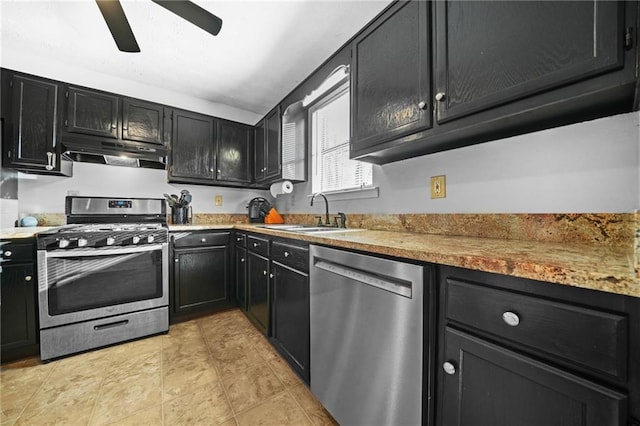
(87, 282)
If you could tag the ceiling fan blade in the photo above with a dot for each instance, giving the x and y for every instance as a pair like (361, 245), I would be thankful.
(118, 25)
(194, 14)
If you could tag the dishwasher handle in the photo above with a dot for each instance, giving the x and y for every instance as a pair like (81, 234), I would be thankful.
(399, 287)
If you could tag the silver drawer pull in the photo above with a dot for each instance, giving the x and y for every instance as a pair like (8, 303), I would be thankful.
(203, 240)
(7, 253)
(286, 254)
(242, 260)
(239, 239)
(449, 368)
(270, 275)
(28, 278)
(256, 244)
(511, 318)
(264, 272)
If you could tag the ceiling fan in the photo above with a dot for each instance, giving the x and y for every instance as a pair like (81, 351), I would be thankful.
(121, 31)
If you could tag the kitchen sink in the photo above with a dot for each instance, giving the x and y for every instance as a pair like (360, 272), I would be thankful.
(308, 229)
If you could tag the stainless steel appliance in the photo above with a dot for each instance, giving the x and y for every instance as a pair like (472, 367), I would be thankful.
(366, 337)
(104, 278)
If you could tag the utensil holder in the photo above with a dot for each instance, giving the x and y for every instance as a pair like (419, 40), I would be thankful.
(179, 215)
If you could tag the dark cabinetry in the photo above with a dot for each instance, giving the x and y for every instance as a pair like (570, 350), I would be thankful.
(240, 280)
(192, 154)
(143, 121)
(267, 147)
(515, 351)
(92, 113)
(499, 69)
(258, 282)
(233, 150)
(201, 273)
(290, 304)
(18, 300)
(30, 128)
(390, 76)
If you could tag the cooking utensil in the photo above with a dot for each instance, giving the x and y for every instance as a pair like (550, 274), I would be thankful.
(169, 200)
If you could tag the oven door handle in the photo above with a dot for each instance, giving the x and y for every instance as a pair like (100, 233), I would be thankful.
(104, 252)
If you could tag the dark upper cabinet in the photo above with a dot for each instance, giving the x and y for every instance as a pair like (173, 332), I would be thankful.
(491, 53)
(192, 148)
(268, 147)
(92, 113)
(391, 76)
(142, 121)
(233, 150)
(30, 127)
(486, 384)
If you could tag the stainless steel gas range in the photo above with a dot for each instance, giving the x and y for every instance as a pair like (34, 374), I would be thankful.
(104, 277)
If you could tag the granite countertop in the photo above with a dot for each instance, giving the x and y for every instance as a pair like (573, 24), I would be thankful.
(592, 266)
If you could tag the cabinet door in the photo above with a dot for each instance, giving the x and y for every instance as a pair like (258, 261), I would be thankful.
(232, 152)
(32, 130)
(486, 384)
(92, 113)
(273, 160)
(192, 146)
(290, 325)
(201, 278)
(259, 149)
(258, 297)
(241, 277)
(142, 121)
(17, 310)
(391, 76)
(491, 53)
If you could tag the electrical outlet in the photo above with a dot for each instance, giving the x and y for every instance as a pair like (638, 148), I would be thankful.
(218, 200)
(438, 186)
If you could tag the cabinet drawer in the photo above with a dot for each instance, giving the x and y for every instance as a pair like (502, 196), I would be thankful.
(258, 245)
(16, 252)
(201, 239)
(290, 255)
(241, 239)
(577, 335)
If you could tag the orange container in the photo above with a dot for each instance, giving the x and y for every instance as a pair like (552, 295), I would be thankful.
(273, 216)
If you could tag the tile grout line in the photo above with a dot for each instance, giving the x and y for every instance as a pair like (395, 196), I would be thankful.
(100, 389)
(35, 393)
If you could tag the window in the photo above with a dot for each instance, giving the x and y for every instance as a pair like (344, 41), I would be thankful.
(331, 169)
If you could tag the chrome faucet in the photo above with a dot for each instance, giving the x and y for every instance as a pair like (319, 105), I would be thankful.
(326, 214)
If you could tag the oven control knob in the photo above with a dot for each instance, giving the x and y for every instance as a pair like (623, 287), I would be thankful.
(82, 242)
(135, 239)
(63, 243)
(150, 239)
(110, 241)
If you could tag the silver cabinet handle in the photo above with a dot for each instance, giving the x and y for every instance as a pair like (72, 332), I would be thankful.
(264, 272)
(239, 239)
(422, 104)
(286, 254)
(7, 253)
(219, 171)
(211, 170)
(176, 260)
(50, 161)
(242, 260)
(124, 129)
(449, 368)
(440, 96)
(256, 244)
(511, 318)
(203, 240)
(113, 126)
(270, 275)
(28, 278)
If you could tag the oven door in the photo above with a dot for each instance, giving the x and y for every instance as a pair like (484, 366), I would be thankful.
(84, 284)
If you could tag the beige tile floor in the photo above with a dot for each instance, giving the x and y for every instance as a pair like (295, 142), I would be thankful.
(214, 370)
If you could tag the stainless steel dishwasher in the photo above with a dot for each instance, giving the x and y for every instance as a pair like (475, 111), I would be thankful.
(366, 337)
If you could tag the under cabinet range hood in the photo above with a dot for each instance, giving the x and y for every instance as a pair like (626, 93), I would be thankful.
(128, 154)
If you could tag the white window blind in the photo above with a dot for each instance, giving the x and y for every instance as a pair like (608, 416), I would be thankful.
(331, 167)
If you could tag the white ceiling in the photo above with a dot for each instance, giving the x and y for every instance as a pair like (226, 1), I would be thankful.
(264, 50)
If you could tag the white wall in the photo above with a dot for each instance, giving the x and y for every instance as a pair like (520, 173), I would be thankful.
(15, 59)
(586, 167)
(45, 194)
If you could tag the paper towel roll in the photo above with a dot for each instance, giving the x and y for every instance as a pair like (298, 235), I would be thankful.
(284, 187)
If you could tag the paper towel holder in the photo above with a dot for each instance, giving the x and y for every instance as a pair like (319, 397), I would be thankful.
(282, 187)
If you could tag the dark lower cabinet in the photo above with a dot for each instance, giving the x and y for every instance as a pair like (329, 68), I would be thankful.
(241, 277)
(258, 291)
(290, 306)
(18, 285)
(513, 351)
(201, 274)
(486, 384)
